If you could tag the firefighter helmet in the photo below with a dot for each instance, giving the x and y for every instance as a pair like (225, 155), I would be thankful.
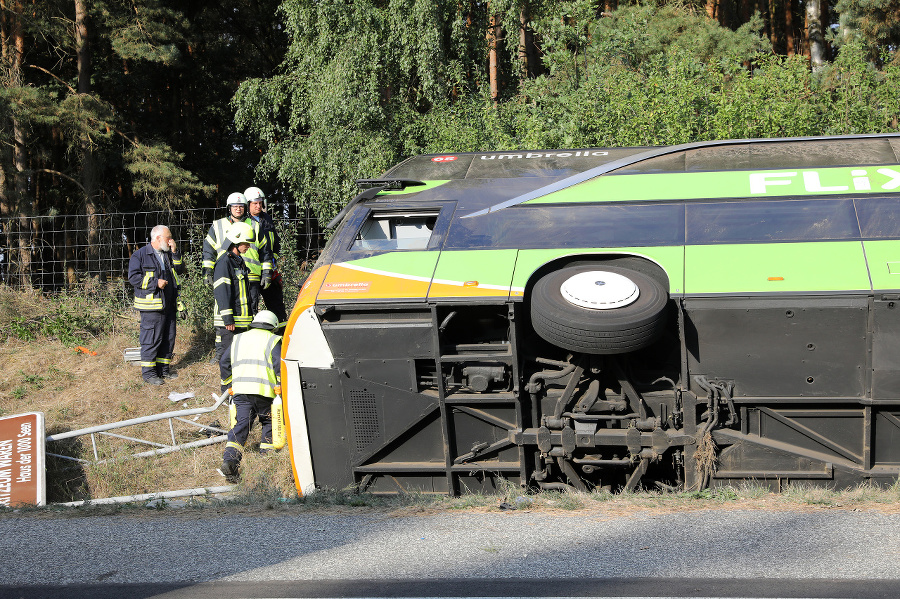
(265, 320)
(240, 232)
(236, 198)
(255, 194)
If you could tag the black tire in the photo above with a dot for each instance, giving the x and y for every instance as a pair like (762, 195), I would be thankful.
(613, 331)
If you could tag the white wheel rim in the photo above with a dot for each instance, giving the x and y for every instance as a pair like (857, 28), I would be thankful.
(599, 290)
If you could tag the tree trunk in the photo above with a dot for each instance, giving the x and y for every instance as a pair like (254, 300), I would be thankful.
(89, 175)
(815, 33)
(789, 39)
(526, 45)
(493, 37)
(15, 200)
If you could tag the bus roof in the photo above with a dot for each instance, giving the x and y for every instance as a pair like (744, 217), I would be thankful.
(489, 181)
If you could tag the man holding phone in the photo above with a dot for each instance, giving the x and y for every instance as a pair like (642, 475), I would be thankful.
(154, 272)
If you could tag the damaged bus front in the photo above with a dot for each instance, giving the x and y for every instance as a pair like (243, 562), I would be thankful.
(617, 318)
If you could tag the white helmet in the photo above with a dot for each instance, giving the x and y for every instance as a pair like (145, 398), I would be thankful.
(265, 320)
(255, 194)
(240, 232)
(236, 199)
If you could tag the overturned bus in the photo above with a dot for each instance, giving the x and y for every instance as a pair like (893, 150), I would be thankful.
(606, 318)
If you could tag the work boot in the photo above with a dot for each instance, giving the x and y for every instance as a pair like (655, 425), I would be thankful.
(153, 380)
(230, 469)
(168, 375)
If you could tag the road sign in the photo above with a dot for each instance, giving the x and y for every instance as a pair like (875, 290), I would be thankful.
(22, 473)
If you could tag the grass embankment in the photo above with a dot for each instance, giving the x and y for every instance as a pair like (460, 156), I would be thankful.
(41, 370)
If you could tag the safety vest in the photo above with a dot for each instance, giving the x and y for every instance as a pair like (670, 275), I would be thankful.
(252, 370)
(214, 242)
(252, 256)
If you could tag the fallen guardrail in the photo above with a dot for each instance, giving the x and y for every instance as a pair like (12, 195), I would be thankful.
(162, 448)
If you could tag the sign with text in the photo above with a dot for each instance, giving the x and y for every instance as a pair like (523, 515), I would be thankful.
(22, 475)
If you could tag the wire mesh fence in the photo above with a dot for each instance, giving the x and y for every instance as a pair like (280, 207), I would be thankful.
(57, 253)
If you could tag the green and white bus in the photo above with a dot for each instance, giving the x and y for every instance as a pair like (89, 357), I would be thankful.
(606, 318)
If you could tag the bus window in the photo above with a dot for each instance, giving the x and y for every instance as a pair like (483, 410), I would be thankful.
(791, 220)
(575, 226)
(879, 218)
(396, 231)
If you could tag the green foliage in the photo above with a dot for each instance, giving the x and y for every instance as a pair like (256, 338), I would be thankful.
(157, 176)
(77, 317)
(194, 292)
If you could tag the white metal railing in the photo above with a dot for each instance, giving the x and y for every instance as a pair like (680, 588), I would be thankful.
(103, 429)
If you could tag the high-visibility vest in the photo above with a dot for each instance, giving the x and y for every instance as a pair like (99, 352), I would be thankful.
(252, 370)
(252, 256)
(215, 243)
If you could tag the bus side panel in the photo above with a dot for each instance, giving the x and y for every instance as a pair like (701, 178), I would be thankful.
(473, 274)
(772, 268)
(391, 276)
(780, 347)
(328, 441)
(883, 258)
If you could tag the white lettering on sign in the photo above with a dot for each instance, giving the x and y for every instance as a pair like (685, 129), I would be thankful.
(5, 486)
(6, 449)
(23, 448)
(24, 474)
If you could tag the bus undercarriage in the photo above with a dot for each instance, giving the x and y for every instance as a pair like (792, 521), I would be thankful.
(458, 398)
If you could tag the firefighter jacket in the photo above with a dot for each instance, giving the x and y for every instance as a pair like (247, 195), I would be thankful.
(256, 363)
(231, 292)
(144, 270)
(257, 258)
(267, 230)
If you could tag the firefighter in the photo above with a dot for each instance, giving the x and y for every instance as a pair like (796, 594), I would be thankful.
(214, 245)
(153, 272)
(264, 226)
(255, 358)
(231, 294)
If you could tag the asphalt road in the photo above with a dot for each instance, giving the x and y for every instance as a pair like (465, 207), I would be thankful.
(717, 553)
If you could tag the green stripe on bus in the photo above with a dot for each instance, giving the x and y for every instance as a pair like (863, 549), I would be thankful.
(409, 263)
(883, 257)
(730, 184)
(487, 267)
(415, 189)
(776, 268)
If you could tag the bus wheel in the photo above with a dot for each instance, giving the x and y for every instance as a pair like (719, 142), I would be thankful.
(598, 309)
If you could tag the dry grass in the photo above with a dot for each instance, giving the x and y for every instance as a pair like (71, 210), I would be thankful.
(76, 390)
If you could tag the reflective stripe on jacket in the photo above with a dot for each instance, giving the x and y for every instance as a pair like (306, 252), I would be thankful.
(231, 292)
(255, 355)
(259, 257)
(143, 274)
(215, 244)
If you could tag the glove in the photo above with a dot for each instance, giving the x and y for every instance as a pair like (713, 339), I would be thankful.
(266, 279)
(208, 276)
(277, 389)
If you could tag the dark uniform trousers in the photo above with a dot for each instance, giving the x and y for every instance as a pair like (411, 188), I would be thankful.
(247, 407)
(274, 298)
(157, 339)
(224, 337)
